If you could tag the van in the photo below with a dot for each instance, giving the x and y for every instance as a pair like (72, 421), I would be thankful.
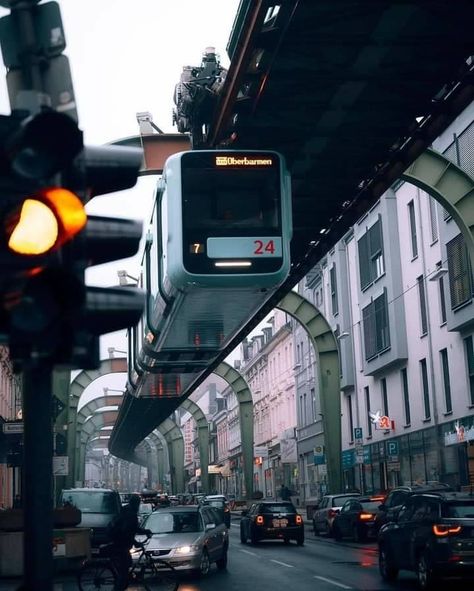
(98, 506)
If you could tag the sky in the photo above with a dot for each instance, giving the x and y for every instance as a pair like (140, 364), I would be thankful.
(125, 58)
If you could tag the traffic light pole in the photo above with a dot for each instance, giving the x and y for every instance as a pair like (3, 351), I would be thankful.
(38, 476)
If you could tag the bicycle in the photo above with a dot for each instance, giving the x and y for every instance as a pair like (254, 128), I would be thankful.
(146, 573)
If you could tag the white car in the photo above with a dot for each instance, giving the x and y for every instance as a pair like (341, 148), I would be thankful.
(326, 511)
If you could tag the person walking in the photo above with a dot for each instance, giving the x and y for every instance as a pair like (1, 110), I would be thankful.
(285, 493)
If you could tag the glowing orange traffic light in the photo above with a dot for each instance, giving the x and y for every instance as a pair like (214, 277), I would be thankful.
(45, 221)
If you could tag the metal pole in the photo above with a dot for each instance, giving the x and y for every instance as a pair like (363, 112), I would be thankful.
(38, 476)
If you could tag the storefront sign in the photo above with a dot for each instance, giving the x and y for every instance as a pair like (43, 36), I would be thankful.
(288, 451)
(381, 422)
(460, 434)
(260, 451)
(348, 459)
(319, 457)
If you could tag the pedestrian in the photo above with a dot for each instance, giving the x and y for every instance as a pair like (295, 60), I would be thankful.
(285, 493)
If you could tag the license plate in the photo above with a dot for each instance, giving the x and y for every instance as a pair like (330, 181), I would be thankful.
(280, 522)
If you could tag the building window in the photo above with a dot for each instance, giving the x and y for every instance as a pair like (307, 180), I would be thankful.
(422, 301)
(446, 380)
(383, 384)
(376, 327)
(351, 419)
(442, 299)
(433, 219)
(460, 282)
(406, 396)
(333, 281)
(468, 345)
(367, 408)
(313, 404)
(426, 390)
(412, 219)
(371, 263)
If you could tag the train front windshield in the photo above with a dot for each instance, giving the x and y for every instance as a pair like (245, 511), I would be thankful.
(226, 197)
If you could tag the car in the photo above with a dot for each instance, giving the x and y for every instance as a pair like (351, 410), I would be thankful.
(221, 504)
(356, 519)
(190, 538)
(98, 506)
(389, 509)
(433, 536)
(325, 512)
(267, 520)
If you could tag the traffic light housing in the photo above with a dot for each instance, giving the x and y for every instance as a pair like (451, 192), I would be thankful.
(47, 240)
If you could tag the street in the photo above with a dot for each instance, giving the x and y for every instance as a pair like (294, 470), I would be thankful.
(321, 564)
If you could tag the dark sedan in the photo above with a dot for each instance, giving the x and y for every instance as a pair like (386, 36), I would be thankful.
(271, 520)
(356, 519)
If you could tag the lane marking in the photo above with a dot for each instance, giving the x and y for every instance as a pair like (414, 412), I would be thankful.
(248, 552)
(332, 582)
(282, 563)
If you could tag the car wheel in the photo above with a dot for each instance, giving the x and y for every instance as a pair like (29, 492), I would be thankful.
(243, 537)
(388, 571)
(205, 563)
(300, 540)
(286, 541)
(337, 534)
(315, 529)
(424, 571)
(222, 562)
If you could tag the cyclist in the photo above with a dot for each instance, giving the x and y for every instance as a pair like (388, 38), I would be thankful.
(122, 534)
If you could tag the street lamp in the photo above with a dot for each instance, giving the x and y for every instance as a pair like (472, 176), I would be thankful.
(112, 350)
(107, 390)
(124, 275)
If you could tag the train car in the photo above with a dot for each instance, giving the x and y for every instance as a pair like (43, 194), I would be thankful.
(217, 248)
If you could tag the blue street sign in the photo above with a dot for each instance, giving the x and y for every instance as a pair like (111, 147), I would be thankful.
(358, 433)
(392, 448)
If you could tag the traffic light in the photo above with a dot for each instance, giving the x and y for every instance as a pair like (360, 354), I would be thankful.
(47, 240)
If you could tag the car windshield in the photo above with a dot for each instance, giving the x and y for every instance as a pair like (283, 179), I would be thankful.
(339, 501)
(91, 502)
(215, 503)
(460, 509)
(278, 508)
(162, 522)
(145, 508)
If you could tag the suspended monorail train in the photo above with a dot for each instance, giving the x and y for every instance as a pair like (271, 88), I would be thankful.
(217, 248)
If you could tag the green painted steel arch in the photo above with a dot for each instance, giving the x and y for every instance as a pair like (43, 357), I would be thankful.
(244, 397)
(448, 184)
(203, 440)
(325, 346)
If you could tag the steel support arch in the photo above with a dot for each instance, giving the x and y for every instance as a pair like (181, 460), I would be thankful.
(325, 346)
(451, 186)
(203, 440)
(244, 397)
(83, 379)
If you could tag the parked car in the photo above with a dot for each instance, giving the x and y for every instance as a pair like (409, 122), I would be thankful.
(98, 506)
(189, 537)
(325, 512)
(396, 498)
(221, 504)
(271, 520)
(356, 519)
(432, 536)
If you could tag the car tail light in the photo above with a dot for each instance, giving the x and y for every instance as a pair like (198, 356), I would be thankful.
(259, 520)
(366, 516)
(299, 520)
(332, 513)
(442, 531)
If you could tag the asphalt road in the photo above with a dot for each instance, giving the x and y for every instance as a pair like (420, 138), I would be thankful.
(320, 565)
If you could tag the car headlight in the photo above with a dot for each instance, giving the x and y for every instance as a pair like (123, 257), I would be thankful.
(186, 550)
(134, 552)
